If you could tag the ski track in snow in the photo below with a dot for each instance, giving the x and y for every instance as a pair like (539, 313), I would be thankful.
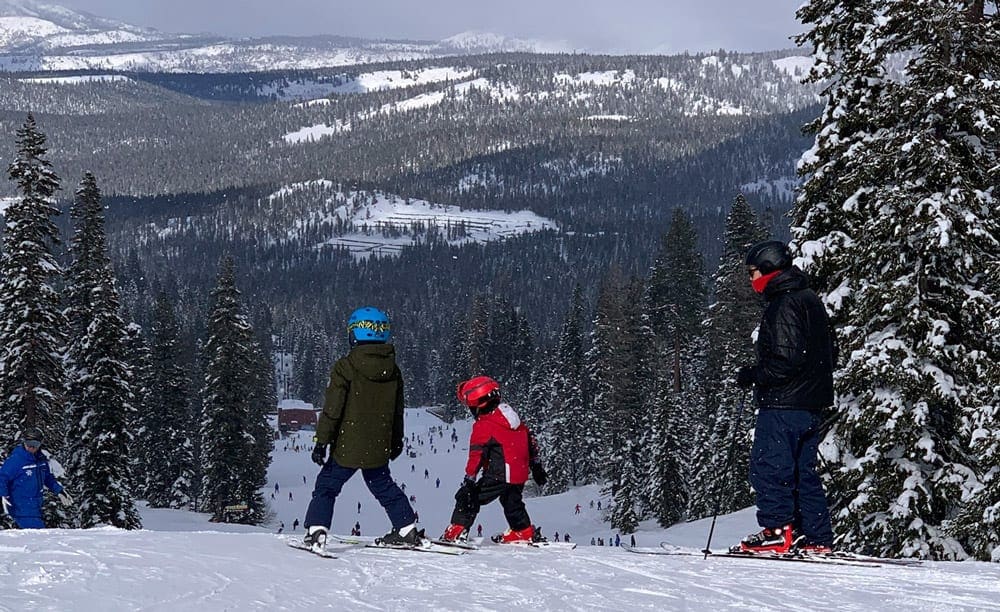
(181, 562)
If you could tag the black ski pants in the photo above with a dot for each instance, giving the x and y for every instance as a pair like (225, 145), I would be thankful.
(469, 501)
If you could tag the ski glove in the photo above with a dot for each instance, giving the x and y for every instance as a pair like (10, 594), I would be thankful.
(538, 474)
(65, 499)
(319, 454)
(746, 377)
(7, 505)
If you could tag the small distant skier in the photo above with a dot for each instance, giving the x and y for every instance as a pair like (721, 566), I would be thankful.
(295, 524)
(577, 509)
(793, 377)
(362, 425)
(24, 477)
(505, 451)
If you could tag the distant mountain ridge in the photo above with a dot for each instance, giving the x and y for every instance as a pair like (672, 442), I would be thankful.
(38, 36)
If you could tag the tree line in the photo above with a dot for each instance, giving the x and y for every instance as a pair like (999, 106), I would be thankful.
(114, 405)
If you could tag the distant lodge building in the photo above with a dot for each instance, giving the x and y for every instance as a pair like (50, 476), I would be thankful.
(294, 415)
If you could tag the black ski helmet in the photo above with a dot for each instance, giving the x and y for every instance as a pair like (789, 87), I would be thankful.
(769, 256)
(33, 433)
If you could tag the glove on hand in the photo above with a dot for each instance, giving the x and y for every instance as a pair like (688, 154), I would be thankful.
(319, 454)
(746, 377)
(7, 505)
(538, 474)
(65, 499)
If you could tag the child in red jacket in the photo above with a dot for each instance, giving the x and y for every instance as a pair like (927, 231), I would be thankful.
(503, 448)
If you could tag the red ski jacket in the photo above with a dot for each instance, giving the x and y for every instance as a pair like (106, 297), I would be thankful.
(501, 446)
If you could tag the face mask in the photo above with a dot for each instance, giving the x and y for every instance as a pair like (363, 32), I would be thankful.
(760, 283)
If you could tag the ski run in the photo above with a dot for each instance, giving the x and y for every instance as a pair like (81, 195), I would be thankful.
(179, 561)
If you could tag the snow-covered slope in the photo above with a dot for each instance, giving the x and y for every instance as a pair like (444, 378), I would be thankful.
(375, 223)
(45, 36)
(180, 562)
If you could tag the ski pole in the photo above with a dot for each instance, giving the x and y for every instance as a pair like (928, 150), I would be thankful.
(729, 472)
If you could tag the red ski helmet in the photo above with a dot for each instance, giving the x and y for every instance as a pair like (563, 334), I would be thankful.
(479, 391)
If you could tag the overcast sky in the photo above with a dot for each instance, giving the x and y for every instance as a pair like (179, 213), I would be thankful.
(598, 25)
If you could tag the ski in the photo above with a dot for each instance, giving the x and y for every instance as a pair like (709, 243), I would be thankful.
(834, 558)
(830, 556)
(300, 545)
(369, 542)
(468, 545)
(671, 550)
(542, 544)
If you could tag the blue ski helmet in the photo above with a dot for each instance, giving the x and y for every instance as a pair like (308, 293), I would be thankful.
(368, 324)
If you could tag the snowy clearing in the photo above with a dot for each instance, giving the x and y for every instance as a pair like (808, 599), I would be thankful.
(181, 562)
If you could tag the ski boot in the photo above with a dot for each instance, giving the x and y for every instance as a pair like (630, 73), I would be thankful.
(404, 537)
(315, 538)
(778, 540)
(456, 533)
(519, 536)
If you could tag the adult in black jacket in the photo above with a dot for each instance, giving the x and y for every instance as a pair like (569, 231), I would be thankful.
(793, 380)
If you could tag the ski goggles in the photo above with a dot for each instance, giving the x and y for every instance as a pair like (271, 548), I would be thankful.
(33, 443)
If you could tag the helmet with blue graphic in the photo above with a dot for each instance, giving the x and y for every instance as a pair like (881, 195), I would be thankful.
(368, 324)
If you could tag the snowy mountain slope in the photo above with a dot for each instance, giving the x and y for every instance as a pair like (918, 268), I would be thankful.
(377, 224)
(180, 562)
(43, 36)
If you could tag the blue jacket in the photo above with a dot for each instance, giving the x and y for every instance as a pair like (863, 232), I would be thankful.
(22, 477)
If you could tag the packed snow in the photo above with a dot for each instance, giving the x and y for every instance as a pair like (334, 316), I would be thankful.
(179, 561)
(393, 79)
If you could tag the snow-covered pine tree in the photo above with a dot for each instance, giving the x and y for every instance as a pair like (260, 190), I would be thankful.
(476, 347)
(137, 355)
(914, 302)
(32, 325)
(100, 397)
(167, 424)
(729, 327)
(603, 368)
(567, 404)
(535, 411)
(675, 301)
(232, 449)
(627, 472)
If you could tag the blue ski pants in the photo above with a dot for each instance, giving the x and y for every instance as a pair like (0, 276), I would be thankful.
(331, 480)
(783, 474)
(29, 522)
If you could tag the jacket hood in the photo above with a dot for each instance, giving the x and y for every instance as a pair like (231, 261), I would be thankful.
(376, 362)
(790, 279)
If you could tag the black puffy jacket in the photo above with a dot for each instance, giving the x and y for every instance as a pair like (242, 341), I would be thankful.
(795, 348)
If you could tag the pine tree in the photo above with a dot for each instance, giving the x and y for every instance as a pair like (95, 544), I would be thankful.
(729, 326)
(167, 424)
(567, 404)
(675, 301)
(234, 454)
(100, 389)
(32, 344)
(631, 373)
(604, 368)
(137, 354)
(906, 239)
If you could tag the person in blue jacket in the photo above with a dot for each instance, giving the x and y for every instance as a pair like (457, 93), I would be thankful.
(22, 478)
